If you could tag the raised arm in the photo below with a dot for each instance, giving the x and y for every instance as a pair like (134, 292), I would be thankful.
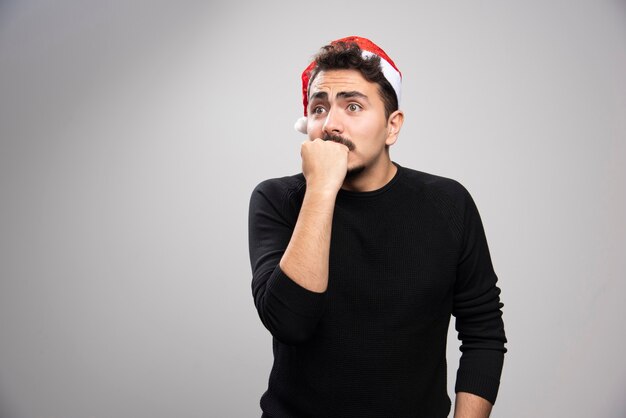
(289, 252)
(324, 165)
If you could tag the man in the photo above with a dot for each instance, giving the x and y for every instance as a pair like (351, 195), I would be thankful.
(358, 262)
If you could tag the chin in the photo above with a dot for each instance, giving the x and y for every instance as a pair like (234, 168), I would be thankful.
(355, 171)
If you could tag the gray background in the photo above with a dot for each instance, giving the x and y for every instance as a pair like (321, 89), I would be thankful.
(132, 134)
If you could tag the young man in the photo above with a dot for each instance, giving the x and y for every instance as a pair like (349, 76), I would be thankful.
(358, 262)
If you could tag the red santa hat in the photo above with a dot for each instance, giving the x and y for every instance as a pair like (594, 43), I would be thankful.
(369, 48)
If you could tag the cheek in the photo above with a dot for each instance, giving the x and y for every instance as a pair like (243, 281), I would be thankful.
(369, 131)
(314, 128)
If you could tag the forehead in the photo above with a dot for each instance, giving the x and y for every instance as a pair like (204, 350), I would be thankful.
(334, 81)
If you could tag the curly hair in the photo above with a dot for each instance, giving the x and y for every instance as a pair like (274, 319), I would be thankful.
(348, 56)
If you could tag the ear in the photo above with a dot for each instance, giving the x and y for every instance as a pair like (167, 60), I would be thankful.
(394, 124)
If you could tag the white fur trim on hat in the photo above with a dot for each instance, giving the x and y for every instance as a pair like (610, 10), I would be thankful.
(300, 125)
(391, 74)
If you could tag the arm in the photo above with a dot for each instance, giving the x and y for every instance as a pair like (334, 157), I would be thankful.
(324, 165)
(478, 313)
(289, 246)
(468, 405)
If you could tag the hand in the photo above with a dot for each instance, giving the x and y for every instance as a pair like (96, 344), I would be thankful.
(468, 405)
(324, 164)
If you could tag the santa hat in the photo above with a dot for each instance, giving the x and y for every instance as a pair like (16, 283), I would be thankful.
(368, 48)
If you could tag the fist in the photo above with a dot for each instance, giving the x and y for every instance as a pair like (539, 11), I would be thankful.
(324, 164)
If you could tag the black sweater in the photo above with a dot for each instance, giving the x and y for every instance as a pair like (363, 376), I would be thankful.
(402, 260)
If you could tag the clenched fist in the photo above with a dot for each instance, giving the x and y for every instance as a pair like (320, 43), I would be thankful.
(324, 164)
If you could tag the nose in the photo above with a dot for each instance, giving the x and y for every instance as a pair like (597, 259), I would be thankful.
(333, 124)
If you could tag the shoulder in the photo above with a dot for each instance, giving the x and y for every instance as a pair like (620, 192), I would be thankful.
(436, 186)
(447, 196)
(280, 189)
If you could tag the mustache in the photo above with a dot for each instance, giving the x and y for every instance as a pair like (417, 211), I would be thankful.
(339, 139)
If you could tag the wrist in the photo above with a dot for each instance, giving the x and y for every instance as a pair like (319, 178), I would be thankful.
(322, 190)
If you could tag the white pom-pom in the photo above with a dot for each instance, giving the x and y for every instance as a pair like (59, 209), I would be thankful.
(300, 125)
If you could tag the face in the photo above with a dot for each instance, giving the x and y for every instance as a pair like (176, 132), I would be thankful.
(342, 103)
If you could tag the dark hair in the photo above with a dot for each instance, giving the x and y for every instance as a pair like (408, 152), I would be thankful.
(348, 56)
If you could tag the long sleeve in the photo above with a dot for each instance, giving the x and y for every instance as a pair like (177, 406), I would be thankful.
(289, 311)
(477, 309)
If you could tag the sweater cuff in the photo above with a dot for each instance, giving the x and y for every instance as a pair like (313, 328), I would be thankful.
(478, 384)
(296, 298)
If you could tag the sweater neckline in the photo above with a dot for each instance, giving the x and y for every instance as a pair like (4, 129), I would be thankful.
(372, 193)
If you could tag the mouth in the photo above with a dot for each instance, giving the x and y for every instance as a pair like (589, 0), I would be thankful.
(340, 140)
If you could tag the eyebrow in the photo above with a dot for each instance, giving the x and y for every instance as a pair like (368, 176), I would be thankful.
(322, 95)
(351, 95)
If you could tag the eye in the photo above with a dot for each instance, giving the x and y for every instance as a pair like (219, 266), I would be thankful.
(318, 110)
(354, 107)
